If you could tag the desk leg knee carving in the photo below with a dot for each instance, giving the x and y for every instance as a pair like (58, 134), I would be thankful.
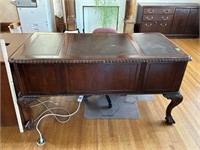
(24, 105)
(176, 99)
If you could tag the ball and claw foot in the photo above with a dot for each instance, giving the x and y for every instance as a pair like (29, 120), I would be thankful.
(169, 120)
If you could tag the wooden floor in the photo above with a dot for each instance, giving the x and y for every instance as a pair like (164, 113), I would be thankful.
(147, 133)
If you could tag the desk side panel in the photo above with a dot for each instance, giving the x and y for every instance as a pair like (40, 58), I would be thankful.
(41, 79)
(163, 77)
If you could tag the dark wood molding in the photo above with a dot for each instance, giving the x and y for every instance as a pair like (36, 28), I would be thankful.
(105, 61)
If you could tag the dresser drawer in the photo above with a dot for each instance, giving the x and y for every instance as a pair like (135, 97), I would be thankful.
(166, 17)
(163, 27)
(157, 17)
(150, 11)
(148, 27)
(166, 10)
(153, 10)
(150, 17)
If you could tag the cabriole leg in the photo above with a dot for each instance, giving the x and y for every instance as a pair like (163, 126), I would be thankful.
(176, 99)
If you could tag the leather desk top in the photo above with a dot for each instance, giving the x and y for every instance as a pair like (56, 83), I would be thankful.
(93, 48)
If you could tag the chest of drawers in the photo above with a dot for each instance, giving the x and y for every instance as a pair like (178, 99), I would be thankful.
(181, 20)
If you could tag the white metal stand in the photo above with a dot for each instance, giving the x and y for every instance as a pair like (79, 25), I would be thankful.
(11, 84)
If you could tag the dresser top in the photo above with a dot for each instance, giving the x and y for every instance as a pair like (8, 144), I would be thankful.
(93, 48)
(170, 4)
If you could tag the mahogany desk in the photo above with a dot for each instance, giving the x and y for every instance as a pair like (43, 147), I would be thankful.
(81, 64)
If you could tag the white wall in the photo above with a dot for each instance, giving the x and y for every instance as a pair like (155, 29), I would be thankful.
(169, 1)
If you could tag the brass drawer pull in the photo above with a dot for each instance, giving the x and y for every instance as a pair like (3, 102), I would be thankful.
(166, 11)
(163, 25)
(149, 18)
(150, 10)
(194, 11)
(165, 18)
(148, 25)
(185, 11)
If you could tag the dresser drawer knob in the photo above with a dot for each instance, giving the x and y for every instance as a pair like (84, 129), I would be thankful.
(165, 18)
